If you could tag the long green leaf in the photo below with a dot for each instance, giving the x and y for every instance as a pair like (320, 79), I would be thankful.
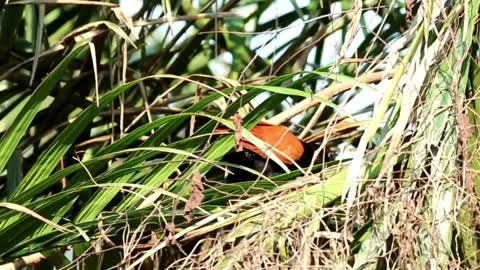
(12, 137)
(48, 160)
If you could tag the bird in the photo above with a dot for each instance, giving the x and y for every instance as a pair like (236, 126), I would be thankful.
(287, 148)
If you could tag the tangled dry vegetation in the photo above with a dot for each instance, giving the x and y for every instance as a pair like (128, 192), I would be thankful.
(107, 165)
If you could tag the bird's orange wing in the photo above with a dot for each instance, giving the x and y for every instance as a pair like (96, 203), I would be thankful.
(279, 137)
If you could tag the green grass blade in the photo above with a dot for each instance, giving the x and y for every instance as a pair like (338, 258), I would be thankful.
(12, 137)
(49, 159)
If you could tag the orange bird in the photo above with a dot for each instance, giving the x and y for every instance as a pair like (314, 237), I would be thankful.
(288, 147)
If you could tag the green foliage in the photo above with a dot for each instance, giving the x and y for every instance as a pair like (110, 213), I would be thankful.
(108, 121)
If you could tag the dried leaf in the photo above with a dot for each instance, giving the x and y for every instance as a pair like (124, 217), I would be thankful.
(170, 234)
(466, 133)
(122, 17)
(410, 5)
(237, 120)
(469, 182)
(465, 127)
(196, 196)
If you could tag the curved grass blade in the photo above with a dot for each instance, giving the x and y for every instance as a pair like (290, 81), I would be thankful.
(12, 137)
(48, 160)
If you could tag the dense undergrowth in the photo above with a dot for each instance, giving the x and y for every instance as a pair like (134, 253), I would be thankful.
(105, 165)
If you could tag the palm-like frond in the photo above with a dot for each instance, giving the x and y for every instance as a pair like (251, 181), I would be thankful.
(101, 153)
